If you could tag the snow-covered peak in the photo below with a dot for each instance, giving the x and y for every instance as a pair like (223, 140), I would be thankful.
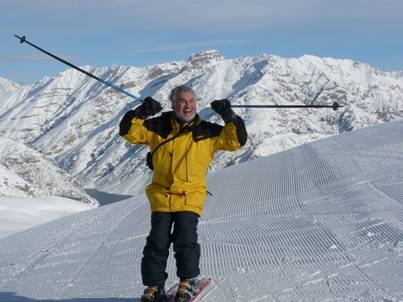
(7, 86)
(205, 57)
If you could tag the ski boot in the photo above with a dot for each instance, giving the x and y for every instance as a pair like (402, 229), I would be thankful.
(154, 294)
(186, 290)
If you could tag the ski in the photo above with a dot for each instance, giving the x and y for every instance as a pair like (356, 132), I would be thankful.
(201, 287)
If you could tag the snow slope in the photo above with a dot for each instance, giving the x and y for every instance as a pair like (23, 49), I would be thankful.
(320, 222)
(33, 190)
(18, 213)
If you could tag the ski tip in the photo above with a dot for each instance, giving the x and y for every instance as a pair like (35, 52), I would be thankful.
(202, 287)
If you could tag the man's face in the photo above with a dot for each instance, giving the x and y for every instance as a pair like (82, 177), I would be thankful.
(185, 106)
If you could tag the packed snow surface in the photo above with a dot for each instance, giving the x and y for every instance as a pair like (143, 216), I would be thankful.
(20, 213)
(320, 222)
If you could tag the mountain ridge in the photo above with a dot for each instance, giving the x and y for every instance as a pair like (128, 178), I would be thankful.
(73, 119)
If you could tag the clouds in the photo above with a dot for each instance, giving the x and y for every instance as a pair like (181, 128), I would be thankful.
(23, 58)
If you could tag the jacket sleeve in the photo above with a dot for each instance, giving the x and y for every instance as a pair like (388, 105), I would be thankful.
(233, 136)
(137, 133)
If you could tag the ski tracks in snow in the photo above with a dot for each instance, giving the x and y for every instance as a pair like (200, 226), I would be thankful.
(311, 218)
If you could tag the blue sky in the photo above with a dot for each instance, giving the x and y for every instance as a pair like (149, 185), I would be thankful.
(144, 32)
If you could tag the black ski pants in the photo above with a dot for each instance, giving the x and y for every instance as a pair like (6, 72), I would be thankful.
(185, 246)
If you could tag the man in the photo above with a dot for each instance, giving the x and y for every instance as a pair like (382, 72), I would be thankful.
(182, 147)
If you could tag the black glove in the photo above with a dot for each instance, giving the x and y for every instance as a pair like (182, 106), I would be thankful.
(148, 108)
(223, 108)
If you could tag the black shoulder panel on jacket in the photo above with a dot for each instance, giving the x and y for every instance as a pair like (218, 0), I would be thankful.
(160, 125)
(206, 130)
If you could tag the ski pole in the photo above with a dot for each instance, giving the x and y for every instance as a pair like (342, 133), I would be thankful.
(24, 40)
(334, 106)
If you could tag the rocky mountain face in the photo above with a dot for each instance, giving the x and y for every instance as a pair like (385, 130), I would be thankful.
(73, 120)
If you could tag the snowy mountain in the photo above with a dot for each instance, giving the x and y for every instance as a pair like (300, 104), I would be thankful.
(25, 172)
(74, 119)
(319, 222)
(7, 86)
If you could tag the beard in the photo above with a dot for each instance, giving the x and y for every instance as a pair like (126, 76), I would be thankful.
(185, 117)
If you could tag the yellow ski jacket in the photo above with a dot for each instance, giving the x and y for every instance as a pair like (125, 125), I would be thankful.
(181, 163)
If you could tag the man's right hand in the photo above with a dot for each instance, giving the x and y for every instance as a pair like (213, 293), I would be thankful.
(150, 106)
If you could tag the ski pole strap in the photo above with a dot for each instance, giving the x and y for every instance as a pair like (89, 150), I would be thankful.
(24, 40)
